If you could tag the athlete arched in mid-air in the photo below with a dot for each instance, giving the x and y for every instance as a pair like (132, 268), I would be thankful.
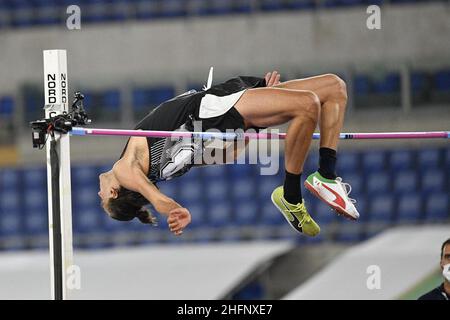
(239, 103)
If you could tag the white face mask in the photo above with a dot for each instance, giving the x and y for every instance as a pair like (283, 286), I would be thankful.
(446, 272)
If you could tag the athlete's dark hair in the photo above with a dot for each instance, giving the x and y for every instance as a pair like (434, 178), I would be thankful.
(129, 205)
(446, 242)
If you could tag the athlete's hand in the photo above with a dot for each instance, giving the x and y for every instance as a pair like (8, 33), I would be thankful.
(178, 219)
(272, 78)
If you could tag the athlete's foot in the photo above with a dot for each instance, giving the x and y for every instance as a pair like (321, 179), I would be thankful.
(334, 193)
(296, 214)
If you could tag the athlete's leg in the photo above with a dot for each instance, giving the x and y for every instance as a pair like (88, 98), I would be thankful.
(332, 93)
(265, 107)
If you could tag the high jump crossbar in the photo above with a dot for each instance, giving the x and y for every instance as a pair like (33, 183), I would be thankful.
(79, 131)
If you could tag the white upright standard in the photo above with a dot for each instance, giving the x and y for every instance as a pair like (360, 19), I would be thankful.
(58, 175)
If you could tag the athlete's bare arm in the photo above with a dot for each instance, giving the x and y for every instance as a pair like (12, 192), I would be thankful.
(131, 176)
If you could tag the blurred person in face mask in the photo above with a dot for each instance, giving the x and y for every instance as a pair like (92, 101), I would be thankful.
(443, 291)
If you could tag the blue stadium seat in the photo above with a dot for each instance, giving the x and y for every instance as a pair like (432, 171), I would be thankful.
(108, 224)
(378, 183)
(437, 207)
(217, 190)
(352, 2)
(442, 80)
(35, 209)
(300, 4)
(47, 12)
(172, 8)
(236, 171)
(151, 97)
(88, 220)
(170, 189)
(9, 179)
(269, 214)
(190, 190)
(447, 158)
(374, 160)
(85, 197)
(6, 107)
(322, 213)
(95, 11)
(356, 181)
(83, 176)
(212, 173)
(348, 162)
(311, 164)
(405, 182)
(219, 214)
(402, 160)
(246, 213)
(36, 222)
(381, 208)
(350, 230)
(243, 189)
(119, 10)
(198, 214)
(351, 236)
(409, 208)
(217, 7)
(35, 177)
(34, 199)
(140, 98)
(362, 207)
(146, 9)
(419, 81)
(10, 221)
(340, 3)
(433, 180)
(88, 100)
(10, 199)
(362, 84)
(271, 5)
(388, 84)
(21, 13)
(111, 100)
(252, 291)
(75, 2)
(242, 6)
(265, 185)
(429, 158)
(4, 15)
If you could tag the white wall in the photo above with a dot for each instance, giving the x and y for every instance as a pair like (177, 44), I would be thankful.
(151, 272)
(405, 256)
(166, 50)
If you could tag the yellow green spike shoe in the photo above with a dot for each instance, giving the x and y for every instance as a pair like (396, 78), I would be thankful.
(296, 214)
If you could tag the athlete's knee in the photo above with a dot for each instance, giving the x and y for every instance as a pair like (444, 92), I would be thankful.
(309, 106)
(339, 87)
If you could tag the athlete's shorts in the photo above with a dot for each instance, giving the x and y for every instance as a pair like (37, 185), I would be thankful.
(216, 108)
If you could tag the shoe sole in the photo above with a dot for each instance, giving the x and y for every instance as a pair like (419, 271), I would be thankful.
(341, 211)
(289, 221)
